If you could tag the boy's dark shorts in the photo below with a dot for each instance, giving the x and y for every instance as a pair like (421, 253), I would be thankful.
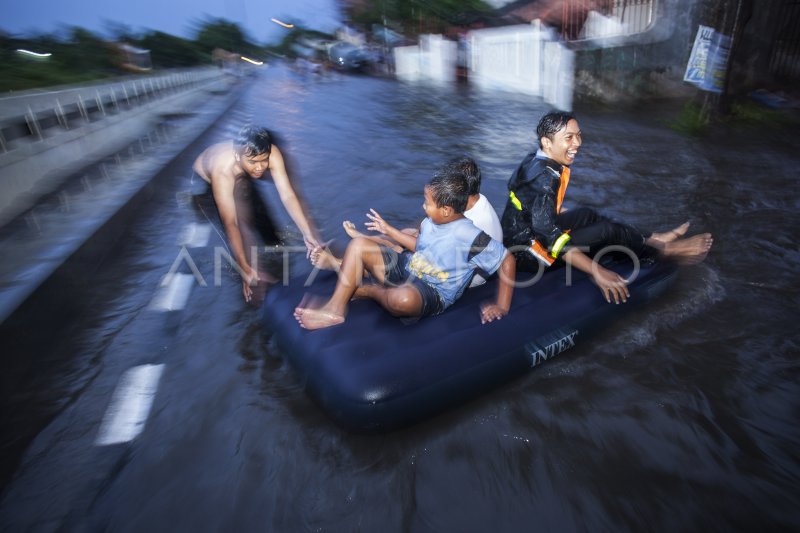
(395, 275)
(252, 210)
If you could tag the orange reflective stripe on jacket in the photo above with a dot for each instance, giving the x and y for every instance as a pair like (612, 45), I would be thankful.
(562, 189)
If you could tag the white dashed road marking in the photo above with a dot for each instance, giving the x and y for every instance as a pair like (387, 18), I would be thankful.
(130, 405)
(195, 235)
(172, 293)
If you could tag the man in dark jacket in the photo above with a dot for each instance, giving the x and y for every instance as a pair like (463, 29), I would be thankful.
(540, 233)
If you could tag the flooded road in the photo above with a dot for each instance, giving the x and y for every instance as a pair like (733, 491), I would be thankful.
(682, 417)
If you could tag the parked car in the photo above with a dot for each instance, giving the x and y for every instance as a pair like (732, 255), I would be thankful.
(346, 56)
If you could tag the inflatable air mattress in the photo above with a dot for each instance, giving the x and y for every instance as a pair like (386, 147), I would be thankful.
(374, 373)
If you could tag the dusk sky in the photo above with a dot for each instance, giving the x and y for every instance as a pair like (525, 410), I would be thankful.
(177, 17)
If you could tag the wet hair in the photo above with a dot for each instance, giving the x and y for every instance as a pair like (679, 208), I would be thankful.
(552, 123)
(252, 141)
(471, 172)
(448, 188)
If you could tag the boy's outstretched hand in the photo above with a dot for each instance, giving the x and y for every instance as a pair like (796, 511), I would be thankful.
(376, 223)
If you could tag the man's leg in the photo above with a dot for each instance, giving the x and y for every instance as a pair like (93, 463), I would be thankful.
(688, 251)
(591, 230)
(252, 212)
(594, 231)
(257, 231)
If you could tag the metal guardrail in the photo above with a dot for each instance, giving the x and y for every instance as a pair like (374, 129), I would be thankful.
(48, 136)
(33, 116)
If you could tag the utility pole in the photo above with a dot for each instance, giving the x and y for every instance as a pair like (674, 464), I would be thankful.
(725, 17)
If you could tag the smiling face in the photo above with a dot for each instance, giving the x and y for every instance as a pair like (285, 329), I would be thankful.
(254, 165)
(564, 145)
(438, 215)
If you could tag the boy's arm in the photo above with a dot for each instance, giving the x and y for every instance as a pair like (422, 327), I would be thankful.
(222, 190)
(612, 285)
(376, 223)
(505, 290)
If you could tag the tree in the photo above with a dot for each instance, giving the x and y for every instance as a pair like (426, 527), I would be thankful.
(85, 52)
(415, 16)
(220, 33)
(120, 31)
(168, 51)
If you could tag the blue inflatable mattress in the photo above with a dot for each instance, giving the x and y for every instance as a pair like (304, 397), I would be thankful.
(374, 373)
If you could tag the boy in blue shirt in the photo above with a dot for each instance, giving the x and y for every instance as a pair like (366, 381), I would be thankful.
(447, 252)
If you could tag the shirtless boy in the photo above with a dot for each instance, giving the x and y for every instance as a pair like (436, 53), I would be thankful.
(227, 165)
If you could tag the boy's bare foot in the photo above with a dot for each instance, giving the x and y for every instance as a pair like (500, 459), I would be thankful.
(323, 259)
(672, 235)
(316, 318)
(351, 230)
(689, 251)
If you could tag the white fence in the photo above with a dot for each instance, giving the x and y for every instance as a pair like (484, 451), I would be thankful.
(434, 60)
(523, 58)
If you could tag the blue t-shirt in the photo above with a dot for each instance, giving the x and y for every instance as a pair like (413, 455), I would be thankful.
(447, 255)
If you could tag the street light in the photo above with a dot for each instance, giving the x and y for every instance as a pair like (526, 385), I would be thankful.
(251, 61)
(33, 54)
(284, 24)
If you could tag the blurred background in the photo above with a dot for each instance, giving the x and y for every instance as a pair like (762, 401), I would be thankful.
(623, 48)
(713, 60)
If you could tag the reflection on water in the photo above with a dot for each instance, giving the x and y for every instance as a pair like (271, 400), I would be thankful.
(682, 417)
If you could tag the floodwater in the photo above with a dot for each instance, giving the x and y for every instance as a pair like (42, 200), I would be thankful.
(682, 417)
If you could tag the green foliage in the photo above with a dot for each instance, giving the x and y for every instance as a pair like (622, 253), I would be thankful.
(86, 52)
(168, 51)
(16, 76)
(120, 32)
(751, 113)
(81, 55)
(696, 120)
(693, 120)
(220, 33)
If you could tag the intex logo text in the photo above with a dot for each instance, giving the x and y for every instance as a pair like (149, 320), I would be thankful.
(539, 355)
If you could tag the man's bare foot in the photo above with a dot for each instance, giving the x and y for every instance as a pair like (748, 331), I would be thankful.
(672, 235)
(323, 259)
(689, 251)
(316, 318)
(351, 230)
